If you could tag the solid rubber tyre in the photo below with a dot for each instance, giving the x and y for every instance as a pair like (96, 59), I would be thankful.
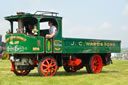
(95, 64)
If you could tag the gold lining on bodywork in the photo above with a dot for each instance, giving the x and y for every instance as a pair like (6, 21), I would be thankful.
(15, 37)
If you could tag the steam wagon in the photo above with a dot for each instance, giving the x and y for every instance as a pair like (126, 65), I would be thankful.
(27, 51)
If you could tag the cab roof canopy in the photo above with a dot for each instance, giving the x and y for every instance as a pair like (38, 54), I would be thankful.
(37, 15)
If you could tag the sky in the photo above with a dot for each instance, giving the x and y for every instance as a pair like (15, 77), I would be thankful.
(93, 19)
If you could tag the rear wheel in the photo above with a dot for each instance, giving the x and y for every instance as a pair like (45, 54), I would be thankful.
(47, 67)
(95, 64)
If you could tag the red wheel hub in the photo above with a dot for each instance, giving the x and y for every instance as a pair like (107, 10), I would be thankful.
(96, 64)
(48, 67)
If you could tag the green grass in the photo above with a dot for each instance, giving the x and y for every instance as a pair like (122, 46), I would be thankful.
(114, 74)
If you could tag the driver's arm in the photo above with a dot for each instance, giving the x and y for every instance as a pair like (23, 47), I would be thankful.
(51, 35)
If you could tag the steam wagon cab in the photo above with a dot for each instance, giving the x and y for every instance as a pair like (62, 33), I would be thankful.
(28, 47)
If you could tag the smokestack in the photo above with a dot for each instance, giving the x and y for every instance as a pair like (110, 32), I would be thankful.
(20, 13)
(20, 23)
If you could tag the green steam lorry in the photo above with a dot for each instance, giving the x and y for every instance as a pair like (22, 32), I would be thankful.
(27, 51)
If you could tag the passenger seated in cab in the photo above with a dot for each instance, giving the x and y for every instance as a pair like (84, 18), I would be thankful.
(31, 30)
(52, 30)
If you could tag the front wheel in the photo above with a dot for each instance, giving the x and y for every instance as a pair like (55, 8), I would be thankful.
(95, 64)
(21, 72)
(47, 67)
(17, 71)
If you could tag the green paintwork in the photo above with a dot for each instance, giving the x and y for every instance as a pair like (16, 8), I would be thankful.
(29, 45)
(35, 44)
(74, 45)
(58, 38)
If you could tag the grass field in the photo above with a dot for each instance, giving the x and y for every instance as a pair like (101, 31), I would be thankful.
(114, 74)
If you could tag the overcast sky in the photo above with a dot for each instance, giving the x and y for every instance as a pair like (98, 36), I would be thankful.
(96, 19)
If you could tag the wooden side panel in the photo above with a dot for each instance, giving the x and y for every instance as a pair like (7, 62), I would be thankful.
(74, 45)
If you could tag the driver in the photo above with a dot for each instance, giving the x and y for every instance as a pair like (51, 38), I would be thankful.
(29, 29)
(52, 30)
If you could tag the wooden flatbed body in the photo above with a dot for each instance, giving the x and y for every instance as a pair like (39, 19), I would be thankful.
(76, 45)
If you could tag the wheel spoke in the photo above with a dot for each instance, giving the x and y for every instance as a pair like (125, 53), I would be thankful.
(93, 67)
(44, 65)
(53, 65)
(51, 62)
(47, 72)
(53, 69)
(47, 62)
(50, 71)
(46, 69)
